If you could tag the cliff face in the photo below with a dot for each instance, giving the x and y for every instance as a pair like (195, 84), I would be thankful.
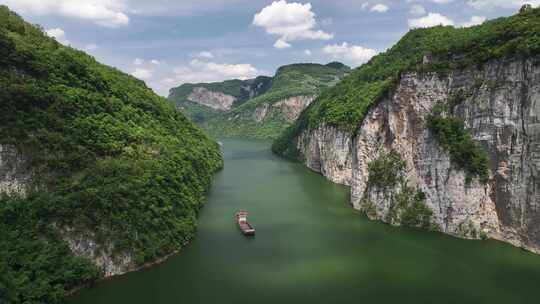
(215, 100)
(14, 171)
(501, 109)
(286, 109)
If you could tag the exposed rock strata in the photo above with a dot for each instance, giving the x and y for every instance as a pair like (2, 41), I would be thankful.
(501, 109)
(215, 100)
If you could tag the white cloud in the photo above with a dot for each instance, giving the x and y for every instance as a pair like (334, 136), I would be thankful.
(432, 19)
(491, 4)
(138, 61)
(352, 54)
(364, 6)
(205, 71)
(442, 1)
(107, 13)
(204, 54)
(155, 62)
(290, 21)
(417, 10)
(475, 20)
(58, 34)
(307, 52)
(379, 8)
(282, 44)
(141, 73)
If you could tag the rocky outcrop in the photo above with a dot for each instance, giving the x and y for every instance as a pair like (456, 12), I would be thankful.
(327, 150)
(289, 109)
(215, 100)
(501, 108)
(260, 113)
(104, 256)
(15, 173)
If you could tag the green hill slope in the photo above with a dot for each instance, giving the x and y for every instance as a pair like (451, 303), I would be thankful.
(239, 91)
(111, 164)
(440, 49)
(265, 116)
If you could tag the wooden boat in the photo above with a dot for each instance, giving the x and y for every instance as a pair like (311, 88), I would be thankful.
(245, 227)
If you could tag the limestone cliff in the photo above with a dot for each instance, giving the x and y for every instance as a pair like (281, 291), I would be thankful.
(501, 109)
(215, 100)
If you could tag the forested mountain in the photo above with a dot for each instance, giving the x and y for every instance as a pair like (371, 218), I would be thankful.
(98, 174)
(439, 132)
(273, 104)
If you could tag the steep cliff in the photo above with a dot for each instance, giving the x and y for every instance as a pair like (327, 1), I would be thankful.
(293, 88)
(98, 175)
(451, 143)
(202, 100)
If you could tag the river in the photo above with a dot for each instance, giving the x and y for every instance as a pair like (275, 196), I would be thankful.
(313, 247)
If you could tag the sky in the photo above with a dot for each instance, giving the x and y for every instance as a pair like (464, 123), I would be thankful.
(170, 42)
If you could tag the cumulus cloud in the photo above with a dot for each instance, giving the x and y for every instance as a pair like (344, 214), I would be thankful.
(475, 20)
(282, 44)
(58, 34)
(204, 54)
(379, 8)
(491, 4)
(417, 10)
(107, 13)
(142, 73)
(431, 19)
(138, 61)
(155, 62)
(307, 52)
(351, 54)
(206, 71)
(291, 22)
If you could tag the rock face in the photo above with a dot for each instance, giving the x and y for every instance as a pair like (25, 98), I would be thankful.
(14, 172)
(215, 100)
(287, 109)
(327, 150)
(501, 109)
(102, 255)
(290, 108)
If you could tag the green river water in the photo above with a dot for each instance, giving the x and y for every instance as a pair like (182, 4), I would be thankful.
(313, 247)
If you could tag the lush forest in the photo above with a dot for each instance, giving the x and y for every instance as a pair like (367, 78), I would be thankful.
(447, 47)
(290, 81)
(108, 156)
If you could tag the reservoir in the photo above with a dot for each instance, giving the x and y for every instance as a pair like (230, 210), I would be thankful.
(313, 247)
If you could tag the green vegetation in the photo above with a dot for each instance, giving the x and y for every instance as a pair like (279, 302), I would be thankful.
(289, 81)
(108, 156)
(384, 172)
(444, 48)
(407, 206)
(450, 133)
(241, 90)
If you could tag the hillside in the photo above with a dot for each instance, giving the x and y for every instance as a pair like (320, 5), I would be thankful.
(200, 101)
(440, 132)
(98, 174)
(265, 116)
(439, 49)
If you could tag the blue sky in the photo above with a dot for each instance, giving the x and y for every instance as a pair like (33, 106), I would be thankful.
(167, 42)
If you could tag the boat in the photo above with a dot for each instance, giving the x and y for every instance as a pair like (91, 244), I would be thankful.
(245, 227)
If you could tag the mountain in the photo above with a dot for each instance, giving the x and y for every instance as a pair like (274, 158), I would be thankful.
(440, 132)
(199, 100)
(259, 108)
(98, 175)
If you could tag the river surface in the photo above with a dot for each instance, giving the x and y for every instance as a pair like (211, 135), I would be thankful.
(313, 247)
